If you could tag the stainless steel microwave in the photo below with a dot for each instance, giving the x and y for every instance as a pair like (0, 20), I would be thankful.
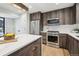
(53, 22)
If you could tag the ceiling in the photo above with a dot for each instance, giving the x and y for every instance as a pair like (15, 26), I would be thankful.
(8, 10)
(45, 7)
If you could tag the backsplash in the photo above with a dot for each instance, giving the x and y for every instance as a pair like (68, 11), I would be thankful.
(61, 28)
(66, 28)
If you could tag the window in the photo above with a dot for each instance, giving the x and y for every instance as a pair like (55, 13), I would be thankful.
(2, 26)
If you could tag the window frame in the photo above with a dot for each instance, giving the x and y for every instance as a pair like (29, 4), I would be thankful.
(3, 24)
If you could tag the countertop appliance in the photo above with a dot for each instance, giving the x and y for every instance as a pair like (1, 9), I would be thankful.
(53, 22)
(53, 38)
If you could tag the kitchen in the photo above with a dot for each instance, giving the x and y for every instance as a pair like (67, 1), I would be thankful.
(39, 29)
(58, 27)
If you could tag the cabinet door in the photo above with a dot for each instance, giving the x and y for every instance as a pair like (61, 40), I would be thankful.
(44, 37)
(61, 16)
(76, 47)
(67, 42)
(54, 14)
(71, 45)
(62, 40)
(44, 19)
(67, 15)
(49, 15)
(37, 48)
(35, 16)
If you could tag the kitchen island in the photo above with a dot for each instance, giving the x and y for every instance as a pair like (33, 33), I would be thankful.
(26, 45)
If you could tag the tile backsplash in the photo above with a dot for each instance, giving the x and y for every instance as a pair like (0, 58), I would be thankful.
(62, 28)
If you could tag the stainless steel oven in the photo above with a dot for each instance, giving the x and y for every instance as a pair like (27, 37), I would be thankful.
(53, 38)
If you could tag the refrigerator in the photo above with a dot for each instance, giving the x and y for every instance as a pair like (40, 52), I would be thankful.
(35, 27)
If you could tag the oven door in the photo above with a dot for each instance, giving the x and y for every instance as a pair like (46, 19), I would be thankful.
(53, 39)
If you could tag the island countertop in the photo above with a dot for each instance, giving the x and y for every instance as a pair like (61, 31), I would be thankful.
(22, 40)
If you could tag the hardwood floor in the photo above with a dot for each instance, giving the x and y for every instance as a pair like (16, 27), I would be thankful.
(51, 51)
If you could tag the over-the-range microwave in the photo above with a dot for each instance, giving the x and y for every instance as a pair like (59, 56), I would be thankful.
(53, 22)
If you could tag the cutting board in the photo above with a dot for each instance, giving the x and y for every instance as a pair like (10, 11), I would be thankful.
(8, 41)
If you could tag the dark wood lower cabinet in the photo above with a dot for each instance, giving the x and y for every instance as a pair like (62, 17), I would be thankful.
(44, 37)
(76, 48)
(70, 43)
(73, 46)
(33, 49)
(62, 40)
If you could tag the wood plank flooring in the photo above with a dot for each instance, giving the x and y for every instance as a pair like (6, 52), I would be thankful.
(51, 51)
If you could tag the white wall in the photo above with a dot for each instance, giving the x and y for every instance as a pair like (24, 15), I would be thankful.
(22, 24)
(8, 15)
(9, 25)
(9, 22)
(18, 25)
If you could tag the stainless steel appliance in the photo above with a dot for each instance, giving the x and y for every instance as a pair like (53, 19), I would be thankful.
(53, 22)
(53, 38)
(35, 27)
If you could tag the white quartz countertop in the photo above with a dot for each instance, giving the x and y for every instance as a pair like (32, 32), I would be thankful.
(74, 35)
(22, 40)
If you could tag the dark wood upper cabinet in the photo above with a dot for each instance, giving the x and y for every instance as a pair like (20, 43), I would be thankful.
(54, 14)
(65, 15)
(60, 15)
(44, 19)
(35, 16)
